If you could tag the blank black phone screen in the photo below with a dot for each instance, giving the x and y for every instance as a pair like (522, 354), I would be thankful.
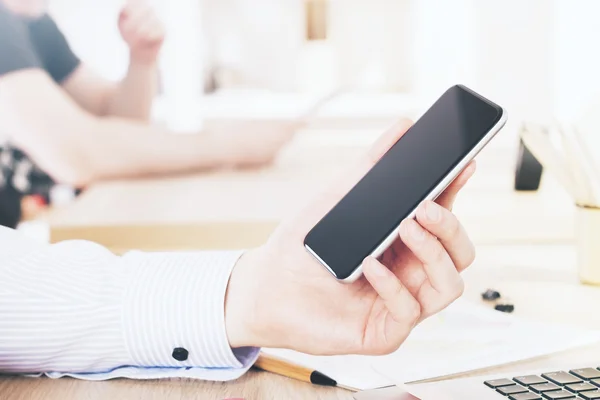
(402, 179)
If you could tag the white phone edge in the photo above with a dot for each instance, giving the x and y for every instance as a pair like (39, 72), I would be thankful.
(439, 189)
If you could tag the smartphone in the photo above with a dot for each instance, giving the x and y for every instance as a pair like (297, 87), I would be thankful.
(418, 167)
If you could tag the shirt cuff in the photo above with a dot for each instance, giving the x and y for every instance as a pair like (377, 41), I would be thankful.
(177, 301)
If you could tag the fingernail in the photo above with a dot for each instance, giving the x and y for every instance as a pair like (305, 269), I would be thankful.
(432, 211)
(470, 170)
(378, 269)
(417, 232)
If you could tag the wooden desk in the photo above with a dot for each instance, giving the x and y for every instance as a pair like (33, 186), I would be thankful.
(232, 209)
(540, 281)
(254, 385)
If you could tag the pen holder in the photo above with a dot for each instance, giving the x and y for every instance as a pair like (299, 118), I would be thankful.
(588, 244)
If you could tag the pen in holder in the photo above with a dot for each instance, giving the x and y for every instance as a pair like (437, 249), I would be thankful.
(587, 244)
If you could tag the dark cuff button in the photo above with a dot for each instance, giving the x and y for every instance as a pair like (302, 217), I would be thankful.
(180, 354)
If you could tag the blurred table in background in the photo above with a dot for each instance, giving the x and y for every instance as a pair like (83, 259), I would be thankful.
(239, 209)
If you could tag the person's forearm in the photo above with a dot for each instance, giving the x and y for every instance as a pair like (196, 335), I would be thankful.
(122, 148)
(134, 95)
(87, 149)
(75, 307)
(76, 147)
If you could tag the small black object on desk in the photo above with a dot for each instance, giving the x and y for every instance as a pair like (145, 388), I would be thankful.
(490, 295)
(507, 308)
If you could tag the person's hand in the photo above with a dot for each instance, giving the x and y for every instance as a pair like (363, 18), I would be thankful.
(280, 296)
(249, 143)
(142, 31)
(32, 206)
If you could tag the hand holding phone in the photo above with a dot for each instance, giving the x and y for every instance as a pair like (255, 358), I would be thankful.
(417, 168)
(280, 296)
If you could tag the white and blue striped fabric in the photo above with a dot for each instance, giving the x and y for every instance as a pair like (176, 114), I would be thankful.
(76, 309)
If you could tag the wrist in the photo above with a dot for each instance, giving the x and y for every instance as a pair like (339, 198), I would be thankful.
(139, 60)
(242, 317)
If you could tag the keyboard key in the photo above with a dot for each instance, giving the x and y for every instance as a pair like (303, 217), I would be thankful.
(595, 382)
(529, 380)
(586, 373)
(506, 390)
(580, 387)
(590, 395)
(544, 387)
(561, 378)
(525, 396)
(559, 395)
(496, 383)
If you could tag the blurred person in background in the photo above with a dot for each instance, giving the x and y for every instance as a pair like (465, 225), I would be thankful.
(62, 123)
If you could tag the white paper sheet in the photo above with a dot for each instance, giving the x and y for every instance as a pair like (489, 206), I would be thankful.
(463, 338)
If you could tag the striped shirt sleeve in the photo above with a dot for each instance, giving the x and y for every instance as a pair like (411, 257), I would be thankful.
(74, 307)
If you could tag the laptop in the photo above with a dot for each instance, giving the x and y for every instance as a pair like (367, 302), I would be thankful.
(579, 382)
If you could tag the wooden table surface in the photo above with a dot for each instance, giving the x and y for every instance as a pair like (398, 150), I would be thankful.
(524, 246)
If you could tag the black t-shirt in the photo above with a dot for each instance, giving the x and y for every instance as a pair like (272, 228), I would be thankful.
(27, 43)
(34, 43)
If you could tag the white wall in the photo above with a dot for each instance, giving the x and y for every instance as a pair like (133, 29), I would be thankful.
(91, 28)
(515, 55)
(260, 39)
(577, 56)
(444, 51)
(374, 42)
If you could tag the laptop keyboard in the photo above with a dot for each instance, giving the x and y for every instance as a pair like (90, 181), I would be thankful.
(583, 383)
